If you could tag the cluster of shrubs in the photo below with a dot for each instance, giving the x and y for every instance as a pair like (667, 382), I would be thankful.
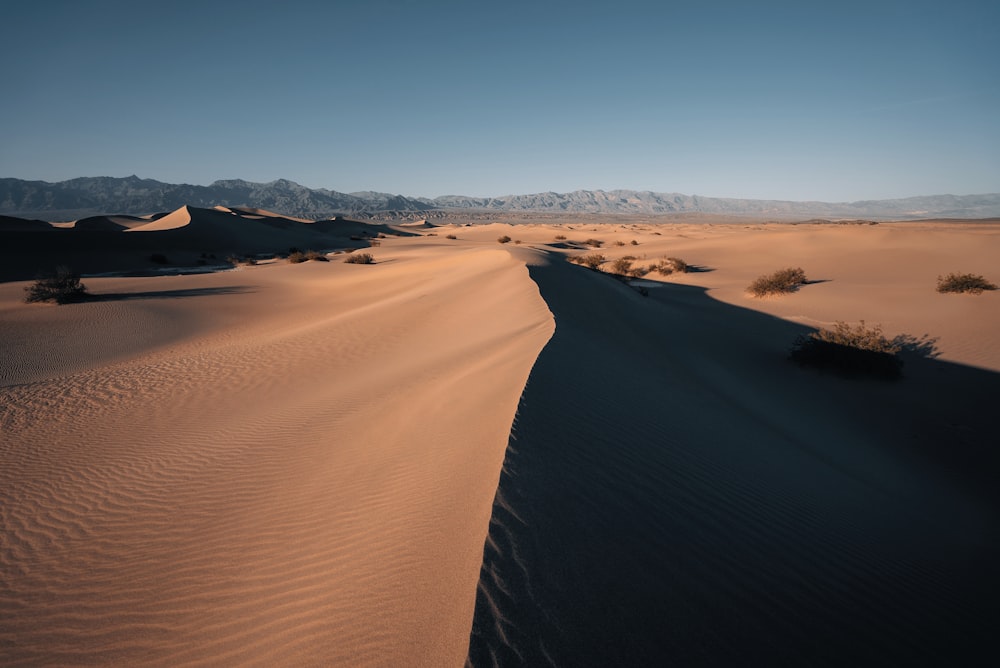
(671, 265)
(503, 240)
(970, 283)
(780, 282)
(591, 261)
(359, 258)
(297, 256)
(62, 287)
(596, 243)
(852, 351)
(237, 260)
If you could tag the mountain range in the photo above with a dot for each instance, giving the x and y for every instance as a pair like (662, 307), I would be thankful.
(88, 196)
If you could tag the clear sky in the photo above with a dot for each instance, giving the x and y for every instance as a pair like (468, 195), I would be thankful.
(802, 100)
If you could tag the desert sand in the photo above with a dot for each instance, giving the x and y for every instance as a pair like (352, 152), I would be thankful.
(473, 452)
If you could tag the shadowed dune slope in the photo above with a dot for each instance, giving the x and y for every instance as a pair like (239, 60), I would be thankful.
(283, 471)
(676, 493)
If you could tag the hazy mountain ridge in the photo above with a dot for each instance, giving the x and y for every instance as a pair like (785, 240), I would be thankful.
(87, 196)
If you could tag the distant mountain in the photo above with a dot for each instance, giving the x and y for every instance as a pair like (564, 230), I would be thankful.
(90, 196)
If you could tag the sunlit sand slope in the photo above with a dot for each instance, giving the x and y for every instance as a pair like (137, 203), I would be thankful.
(287, 465)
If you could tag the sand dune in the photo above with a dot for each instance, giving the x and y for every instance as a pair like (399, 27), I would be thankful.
(294, 478)
(299, 464)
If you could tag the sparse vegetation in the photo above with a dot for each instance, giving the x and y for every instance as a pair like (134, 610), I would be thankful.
(619, 243)
(621, 266)
(851, 351)
(968, 283)
(237, 260)
(780, 282)
(634, 242)
(596, 243)
(592, 261)
(560, 237)
(503, 240)
(359, 258)
(671, 265)
(450, 236)
(298, 256)
(62, 287)
(517, 242)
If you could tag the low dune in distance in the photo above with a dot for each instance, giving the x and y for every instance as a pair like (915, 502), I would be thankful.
(478, 453)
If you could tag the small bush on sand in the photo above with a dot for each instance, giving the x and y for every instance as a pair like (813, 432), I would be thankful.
(851, 351)
(970, 283)
(592, 261)
(621, 266)
(518, 242)
(503, 240)
(671, 265)
(780, 282)
(560, 237)
(596, 243)
(619, 243)
(295, 257)
(634, 242)
(61, 287)
(450, 236)
(317, 256)
(359, 258)
(637, 272)
(236, 260)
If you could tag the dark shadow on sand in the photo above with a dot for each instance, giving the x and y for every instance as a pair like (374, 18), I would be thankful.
(168, 294)
(676, 492)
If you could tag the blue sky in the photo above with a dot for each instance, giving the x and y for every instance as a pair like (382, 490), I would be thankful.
(780, 100)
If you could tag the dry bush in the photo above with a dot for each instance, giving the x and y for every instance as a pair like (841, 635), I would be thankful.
(621, 266)
(638, 272)
(359, 258)
(852, 351)
(619, 243)
(596, 243)
(295, 257)
(969, 283)
(518, 242)
(62, 287)
(592, 261)
(780, 282)
(634, 242)
(236, 260)
(503, 240)
(317, 256)
(450, 236)
(560, 237)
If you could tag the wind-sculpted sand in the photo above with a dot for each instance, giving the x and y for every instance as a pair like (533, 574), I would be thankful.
(475, 452)
(301, 476)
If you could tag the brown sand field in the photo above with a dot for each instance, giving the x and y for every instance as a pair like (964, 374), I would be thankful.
(473, 452)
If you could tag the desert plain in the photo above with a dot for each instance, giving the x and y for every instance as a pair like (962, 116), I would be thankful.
(473, 452)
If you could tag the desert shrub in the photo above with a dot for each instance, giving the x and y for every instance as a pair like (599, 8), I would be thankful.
(518, 242)
(592, 261)
(780, 282)
(634, 242)
(596, 243)
(236, 260)
(62, 287)
(503, 240)
(638, 271)
(851, 351)
(619, 243)
(159, 258)
(359, 258)
(560, 237)
(621, 266)
(671, 265)
(450, 236)
(317, 256)
(295, 257)
(970, 283)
